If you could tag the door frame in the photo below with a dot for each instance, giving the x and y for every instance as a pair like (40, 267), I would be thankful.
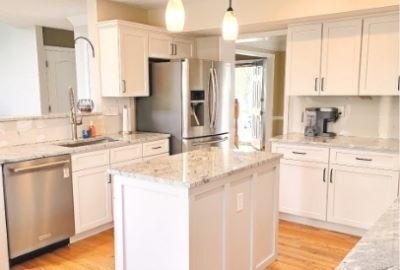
(269, 75)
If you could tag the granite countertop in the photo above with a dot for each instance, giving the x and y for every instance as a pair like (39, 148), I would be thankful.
(379, 247)
(359, 143)
(54, 148)
(197, 167)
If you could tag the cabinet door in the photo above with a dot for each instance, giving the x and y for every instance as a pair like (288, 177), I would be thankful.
(380, 56)
(358, 196)
(184, 48)
(265, 232)
(160, 46)
(340, 64)
(238, 224)
(92, 198)
(303, 189)
(3, 229)
(134, 63)
(303, 59)
(207, 230)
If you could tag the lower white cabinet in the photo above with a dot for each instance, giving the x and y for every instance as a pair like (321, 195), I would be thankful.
(92, 198)
(303, 188)
(92, 185)
(358, 196)
(3, 229)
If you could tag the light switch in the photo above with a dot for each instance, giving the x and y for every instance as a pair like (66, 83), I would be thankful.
(239, 202)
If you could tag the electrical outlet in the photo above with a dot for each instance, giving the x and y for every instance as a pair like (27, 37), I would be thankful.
(239, 202)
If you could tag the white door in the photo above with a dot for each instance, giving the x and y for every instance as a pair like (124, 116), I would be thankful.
(303, 188)
(92, 198)
(380, 56)
(160, 46)
(358, 196)
(134, 63)
(257, 106)
(184, 48)
(303, 59)
(340, 63)
(61, 74)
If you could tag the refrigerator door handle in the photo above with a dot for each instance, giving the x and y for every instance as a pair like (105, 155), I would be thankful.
(211, 97)
(211, 142)
(215, 94)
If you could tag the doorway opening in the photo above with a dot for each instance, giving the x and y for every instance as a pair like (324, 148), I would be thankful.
(259, 89)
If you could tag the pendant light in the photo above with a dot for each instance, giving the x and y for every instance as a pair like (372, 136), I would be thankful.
(175, 16)
(230, 27)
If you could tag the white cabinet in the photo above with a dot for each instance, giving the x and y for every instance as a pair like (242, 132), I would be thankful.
(168, 47)
(380, 56)
(160, 46)
(123, 61)
(3, 229)
(303, 188)
(358, 196)
(92, 198)
(324, 59)
(303, 59)
(92, 185)
(207, 230)
(340, 63)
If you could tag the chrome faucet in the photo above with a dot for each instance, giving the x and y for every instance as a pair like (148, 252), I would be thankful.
(75, 122)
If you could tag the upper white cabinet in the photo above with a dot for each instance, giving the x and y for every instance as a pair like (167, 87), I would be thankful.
(167, 47)
(123, 61)
(340, 63)
(303, 59)
(324, 59)
(380, 56)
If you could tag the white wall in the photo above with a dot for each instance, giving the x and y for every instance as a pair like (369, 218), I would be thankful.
(373, 117)
(19, 71)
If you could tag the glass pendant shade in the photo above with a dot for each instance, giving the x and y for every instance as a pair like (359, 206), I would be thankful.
(175, 16)
(230, 26)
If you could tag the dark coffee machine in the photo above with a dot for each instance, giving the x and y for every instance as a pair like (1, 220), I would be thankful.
(317, 119)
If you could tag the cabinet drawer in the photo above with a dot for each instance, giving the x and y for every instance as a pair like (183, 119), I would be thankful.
(126, 153)
(90, 160)
(155, 148)
(364, 159)
(301, 153)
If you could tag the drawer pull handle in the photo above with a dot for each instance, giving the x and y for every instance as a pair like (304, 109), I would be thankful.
(323, 175)
(364, 159)
(299, 153)
(330, 178)
(155, 148)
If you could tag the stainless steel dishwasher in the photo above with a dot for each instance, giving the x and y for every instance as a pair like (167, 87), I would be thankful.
(39, 205)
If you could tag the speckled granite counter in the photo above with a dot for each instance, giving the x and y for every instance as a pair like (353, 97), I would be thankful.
(379, 248)
(195, 168)
(369, 144)
(41, 150)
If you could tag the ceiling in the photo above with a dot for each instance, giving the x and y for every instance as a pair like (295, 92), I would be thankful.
(50, 13)
(148, 4)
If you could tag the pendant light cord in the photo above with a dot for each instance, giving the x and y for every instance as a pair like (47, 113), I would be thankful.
(230, 6)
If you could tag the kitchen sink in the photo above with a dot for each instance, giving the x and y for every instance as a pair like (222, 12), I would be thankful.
(87, 142)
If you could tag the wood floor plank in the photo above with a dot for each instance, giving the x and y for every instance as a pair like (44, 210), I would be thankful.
(300, 248)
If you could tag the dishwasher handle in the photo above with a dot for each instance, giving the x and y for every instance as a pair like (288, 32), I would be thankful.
(39, 166)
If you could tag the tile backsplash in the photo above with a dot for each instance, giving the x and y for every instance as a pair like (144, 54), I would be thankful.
(373, 117)
(36, 130)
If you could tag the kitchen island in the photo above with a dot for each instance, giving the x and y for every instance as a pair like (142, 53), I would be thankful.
(205, 209)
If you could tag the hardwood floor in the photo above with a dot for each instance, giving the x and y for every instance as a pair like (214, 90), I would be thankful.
(300, 247)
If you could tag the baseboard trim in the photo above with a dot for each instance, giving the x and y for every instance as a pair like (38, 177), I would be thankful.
(322, 224)
(92, 232)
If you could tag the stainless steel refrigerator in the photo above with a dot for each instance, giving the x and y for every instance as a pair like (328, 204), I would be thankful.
(189, 99)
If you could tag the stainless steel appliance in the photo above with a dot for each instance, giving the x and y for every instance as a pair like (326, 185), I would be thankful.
(190, 99)
(39, 204)
(317, 119)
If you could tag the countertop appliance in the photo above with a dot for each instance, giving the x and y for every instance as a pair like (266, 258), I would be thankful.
(190, 99)
(39, 206)
(317, 119)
